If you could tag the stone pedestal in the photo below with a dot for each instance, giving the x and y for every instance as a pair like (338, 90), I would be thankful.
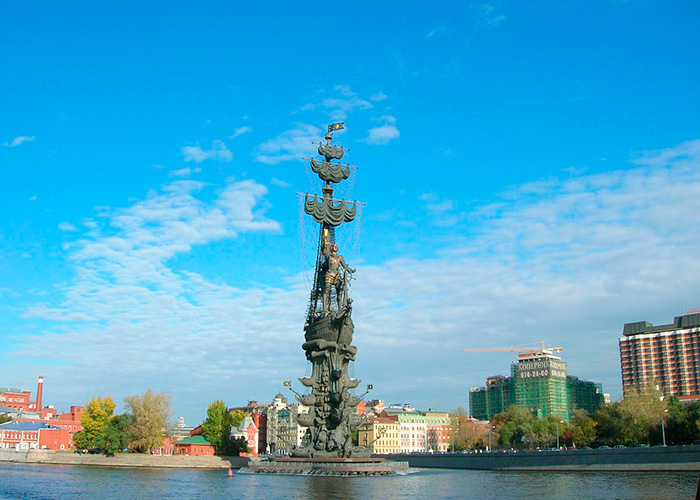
(328, 466)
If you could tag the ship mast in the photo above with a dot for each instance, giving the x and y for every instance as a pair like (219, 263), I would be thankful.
(326, 212)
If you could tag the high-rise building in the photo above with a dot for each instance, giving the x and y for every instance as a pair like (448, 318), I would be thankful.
(667, 356)
(539, 382)
(493, 398)
(584, 394)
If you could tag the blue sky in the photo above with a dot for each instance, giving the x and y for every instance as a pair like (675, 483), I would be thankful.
(531, 171)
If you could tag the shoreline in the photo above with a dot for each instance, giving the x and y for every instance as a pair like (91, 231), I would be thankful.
(123, 460)
(657, 459)
(670, 459)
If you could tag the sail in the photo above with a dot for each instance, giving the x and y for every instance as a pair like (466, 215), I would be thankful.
(331, 152)
(323, 210)
(330, 172)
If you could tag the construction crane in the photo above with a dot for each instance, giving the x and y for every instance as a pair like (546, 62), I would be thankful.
(522, 349)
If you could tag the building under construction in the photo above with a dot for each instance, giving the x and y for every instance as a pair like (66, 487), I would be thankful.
(539, 382)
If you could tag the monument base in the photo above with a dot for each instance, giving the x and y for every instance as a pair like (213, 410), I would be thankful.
(327, 466)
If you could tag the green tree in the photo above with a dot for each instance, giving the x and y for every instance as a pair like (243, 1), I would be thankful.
(94, 420)
(237, 417)
(4, 419)
(117, 435)
(217, 426)
(582, 431)
(236, 446)
(514, 426)
(635, 420)
(681, 421)
(151, 410)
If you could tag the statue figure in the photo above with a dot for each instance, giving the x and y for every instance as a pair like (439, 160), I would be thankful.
(334, 261)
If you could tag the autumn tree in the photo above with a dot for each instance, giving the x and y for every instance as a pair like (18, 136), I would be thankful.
(467, 434)
(150, 411)
(94, 420)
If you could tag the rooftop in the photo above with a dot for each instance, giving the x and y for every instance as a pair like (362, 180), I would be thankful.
(679, 322)
(10, 390)
(25, 426)
(194, 440)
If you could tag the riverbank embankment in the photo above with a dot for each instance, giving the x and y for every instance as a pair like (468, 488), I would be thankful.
(670, 458)
(122, 460)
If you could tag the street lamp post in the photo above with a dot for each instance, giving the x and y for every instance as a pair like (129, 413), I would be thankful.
(560, 422)
(490, 428)
(663, 430)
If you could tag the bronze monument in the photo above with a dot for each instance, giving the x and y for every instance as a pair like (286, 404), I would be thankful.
(327, 446)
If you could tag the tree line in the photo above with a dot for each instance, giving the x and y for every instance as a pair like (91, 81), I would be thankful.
(141, 428)
(634, 421)
(144, 427)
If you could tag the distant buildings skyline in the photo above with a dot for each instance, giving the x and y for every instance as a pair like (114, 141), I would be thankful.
(539, 381)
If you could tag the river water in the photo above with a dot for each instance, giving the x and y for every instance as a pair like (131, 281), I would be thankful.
(58, 482)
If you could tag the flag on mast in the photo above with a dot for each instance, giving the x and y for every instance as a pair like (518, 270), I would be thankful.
(336, 126)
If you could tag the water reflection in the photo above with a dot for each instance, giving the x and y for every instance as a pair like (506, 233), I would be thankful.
(331, 488)
(46, 482)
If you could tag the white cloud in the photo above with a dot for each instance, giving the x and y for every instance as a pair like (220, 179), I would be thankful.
(442, 211)
(279, 182)
(19, 140)
(378, 97)
(184, 172)
(240, 131)
(567, 261)
(383, 134)
(290, 145)
(569, 265)
(218, 151)
(488, 14)
(67, 227)
(339, 107)
(129, 312)
(440, 30)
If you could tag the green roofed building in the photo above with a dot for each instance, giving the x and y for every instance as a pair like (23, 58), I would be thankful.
(539, 382)
(196, 445)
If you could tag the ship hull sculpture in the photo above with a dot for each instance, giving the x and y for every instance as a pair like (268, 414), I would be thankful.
(327, 446)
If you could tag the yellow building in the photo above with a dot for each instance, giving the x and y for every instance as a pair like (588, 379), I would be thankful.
(381, 435)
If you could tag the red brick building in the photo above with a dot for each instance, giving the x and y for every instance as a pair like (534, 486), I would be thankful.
(667, 356)
(15, 399)
(194, 446)
(258, 413)
(250, 433)
(18, 405)
(33, 436)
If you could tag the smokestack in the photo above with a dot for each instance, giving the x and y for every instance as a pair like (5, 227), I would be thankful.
(39, 393)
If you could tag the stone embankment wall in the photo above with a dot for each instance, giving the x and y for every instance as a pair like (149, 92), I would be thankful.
(671, 458)
(123, 460)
